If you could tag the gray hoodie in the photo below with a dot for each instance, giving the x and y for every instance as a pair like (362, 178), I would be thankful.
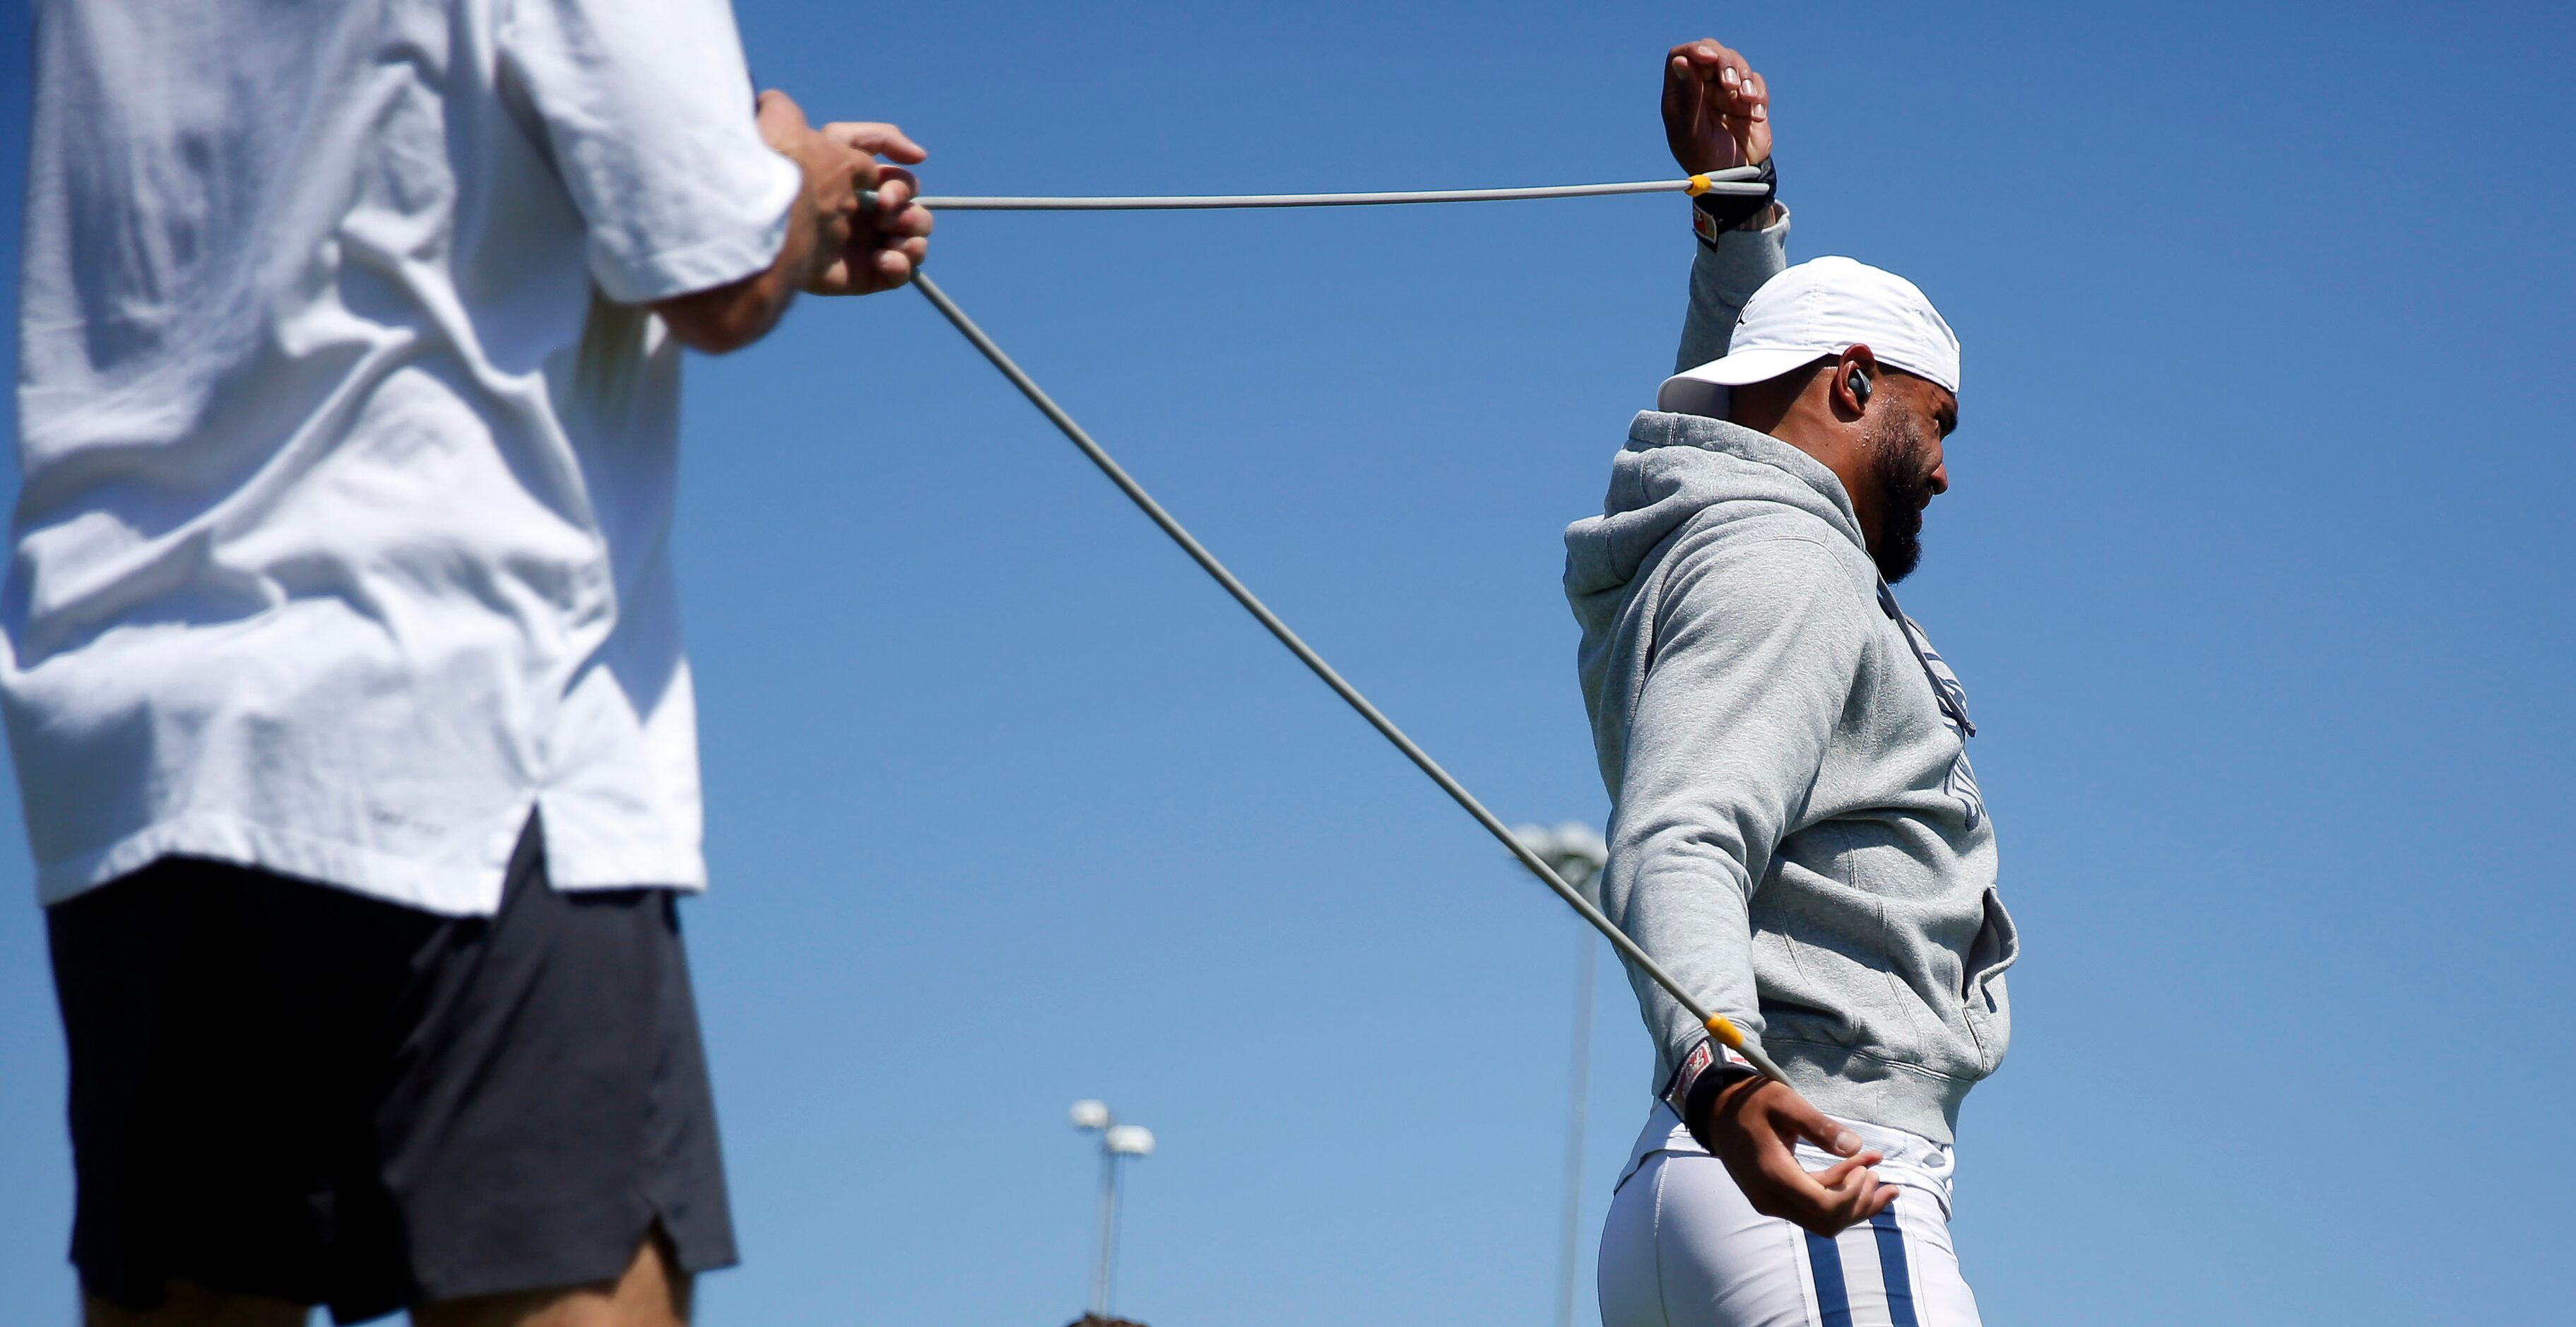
(1796, 831)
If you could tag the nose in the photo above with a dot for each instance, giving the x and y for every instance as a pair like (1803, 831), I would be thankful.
(1940, 479)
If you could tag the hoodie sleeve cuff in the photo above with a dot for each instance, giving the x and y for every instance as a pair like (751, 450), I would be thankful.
(1723, 276)
(1743, 258)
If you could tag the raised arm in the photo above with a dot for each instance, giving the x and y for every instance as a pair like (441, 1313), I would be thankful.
(1717, 114)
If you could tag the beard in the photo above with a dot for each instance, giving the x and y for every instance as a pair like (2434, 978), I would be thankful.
(1897, 469)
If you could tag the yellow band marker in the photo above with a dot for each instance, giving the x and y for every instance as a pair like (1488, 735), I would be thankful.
(1732, 1037)
(1698, 186)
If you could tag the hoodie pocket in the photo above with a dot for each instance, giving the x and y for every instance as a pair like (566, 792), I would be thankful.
(1988, 1006)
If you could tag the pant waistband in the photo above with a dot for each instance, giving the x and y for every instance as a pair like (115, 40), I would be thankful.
(1911, 1159)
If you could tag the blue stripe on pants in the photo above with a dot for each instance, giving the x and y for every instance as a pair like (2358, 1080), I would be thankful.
(1891, 1268)
(1831, 1299)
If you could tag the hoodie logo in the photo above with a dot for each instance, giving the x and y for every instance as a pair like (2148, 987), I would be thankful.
(1960, 784)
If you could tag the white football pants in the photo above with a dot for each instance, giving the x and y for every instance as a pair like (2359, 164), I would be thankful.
(1682, 1247)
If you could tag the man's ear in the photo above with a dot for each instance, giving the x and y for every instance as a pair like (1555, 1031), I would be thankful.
(1854, 380)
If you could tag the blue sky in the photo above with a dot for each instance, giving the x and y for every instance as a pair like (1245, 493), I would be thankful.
(2255, 565)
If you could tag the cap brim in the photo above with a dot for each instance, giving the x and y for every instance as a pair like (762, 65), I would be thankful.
(1694, 391)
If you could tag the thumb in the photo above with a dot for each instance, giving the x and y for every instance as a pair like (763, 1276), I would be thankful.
(1817, 1127)
(878, 140)
(1681, 96)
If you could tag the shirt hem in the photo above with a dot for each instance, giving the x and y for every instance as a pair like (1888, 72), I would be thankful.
(453, 887)
(1915, 1099)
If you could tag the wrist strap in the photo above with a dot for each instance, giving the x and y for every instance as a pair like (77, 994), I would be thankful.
(1701, 1075)
(1714, 214)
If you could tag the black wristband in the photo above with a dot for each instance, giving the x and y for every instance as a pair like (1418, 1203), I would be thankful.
(1714, 214)
(1703, 1073)
(1703, 1094)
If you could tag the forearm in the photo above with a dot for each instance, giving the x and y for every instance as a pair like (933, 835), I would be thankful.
(1722, 279)
(1683, 898)
(731, 316)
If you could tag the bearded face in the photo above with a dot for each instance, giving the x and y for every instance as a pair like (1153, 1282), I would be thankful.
(1901, 463)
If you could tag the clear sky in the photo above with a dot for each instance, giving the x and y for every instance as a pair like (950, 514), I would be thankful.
(2255, 564)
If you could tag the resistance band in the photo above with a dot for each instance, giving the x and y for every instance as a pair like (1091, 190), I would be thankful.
(1733, 180)
(1717, 1024)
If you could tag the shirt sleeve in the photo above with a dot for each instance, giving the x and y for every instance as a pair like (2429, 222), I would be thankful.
(647, 108)
(1757, 645)
(1722, 278)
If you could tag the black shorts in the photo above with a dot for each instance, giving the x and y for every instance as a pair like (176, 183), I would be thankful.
(286, 1089)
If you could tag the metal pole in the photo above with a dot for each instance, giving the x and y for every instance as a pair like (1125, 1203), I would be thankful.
(1578, 1100)
(1720, 1027)
(1109, 1277)
(1105, 1237)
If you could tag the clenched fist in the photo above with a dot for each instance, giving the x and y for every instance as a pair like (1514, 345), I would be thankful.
(1717, 111)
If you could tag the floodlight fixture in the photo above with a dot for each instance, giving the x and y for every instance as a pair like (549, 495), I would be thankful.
(1583, 843)
(1574, 850)
(1117, 1141)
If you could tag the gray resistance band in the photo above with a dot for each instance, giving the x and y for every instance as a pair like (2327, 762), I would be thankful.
(1733, 180)
(1718, 1025)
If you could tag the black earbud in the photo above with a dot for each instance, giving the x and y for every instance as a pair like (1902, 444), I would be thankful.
(1859, 384)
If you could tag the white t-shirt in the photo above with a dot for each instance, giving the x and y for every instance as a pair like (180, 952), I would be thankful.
(348, 451)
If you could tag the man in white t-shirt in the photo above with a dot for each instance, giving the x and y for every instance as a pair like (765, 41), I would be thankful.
(341, 664)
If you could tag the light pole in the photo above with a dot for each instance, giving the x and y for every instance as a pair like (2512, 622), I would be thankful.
(1577, 853)
(1117, 1141)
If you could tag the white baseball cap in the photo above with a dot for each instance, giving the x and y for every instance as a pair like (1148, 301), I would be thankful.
(1823, 306)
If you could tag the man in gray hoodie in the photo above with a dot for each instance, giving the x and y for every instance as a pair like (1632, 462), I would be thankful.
(1796, 832)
